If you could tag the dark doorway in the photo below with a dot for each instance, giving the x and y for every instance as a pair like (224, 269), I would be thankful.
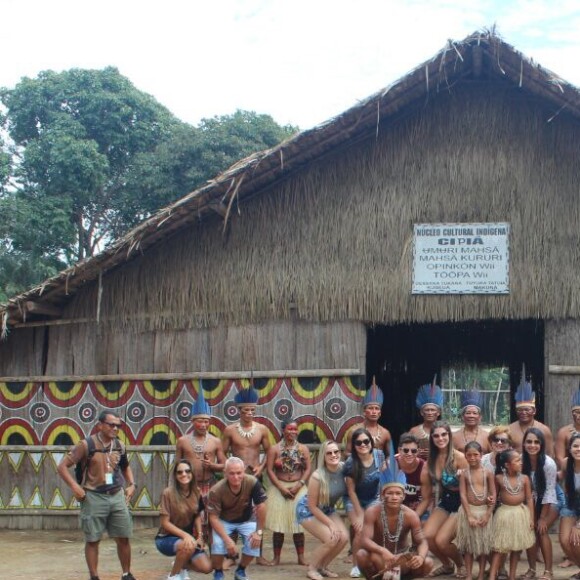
(403, 357)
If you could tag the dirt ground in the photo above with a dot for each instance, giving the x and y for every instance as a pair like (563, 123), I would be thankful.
(58, 555)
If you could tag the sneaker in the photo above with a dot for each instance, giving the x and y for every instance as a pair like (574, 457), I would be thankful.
(355, 572)
(128, 576)
(240, 575)
(184, 574)
(174, 577)
(218, 575)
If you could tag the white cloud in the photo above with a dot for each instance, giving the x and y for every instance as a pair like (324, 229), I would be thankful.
(302, 62)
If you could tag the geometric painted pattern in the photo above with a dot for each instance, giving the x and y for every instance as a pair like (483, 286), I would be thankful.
(155, 414)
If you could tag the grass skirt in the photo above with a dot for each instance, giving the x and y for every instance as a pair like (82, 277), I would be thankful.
(511, 526)
(281, 512)
(473, 540)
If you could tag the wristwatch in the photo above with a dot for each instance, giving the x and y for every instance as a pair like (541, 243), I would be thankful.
(260, 533)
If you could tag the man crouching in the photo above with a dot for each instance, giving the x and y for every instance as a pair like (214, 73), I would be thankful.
(385, 550)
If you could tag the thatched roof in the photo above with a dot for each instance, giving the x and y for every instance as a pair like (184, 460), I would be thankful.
(482, 55)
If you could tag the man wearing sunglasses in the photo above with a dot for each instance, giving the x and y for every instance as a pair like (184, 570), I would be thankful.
(104, 493)
(411, 465)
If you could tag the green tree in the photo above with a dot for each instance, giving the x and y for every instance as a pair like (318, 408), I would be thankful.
(90, 156)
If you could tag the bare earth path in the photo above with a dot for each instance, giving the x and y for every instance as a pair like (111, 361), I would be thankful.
(58, 555)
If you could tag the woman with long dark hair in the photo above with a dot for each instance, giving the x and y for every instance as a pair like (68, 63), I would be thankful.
(362, 472)
(180, 535)
(440, 478)
(542, 471)
(570, 513)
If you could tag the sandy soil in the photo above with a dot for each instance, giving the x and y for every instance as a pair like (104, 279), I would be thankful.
(58, 555)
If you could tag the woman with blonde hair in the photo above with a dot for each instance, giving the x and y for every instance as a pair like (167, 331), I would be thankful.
(500, 440)
(316, 511)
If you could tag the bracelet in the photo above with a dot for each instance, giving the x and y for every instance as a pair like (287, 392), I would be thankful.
(302, 481)
(130, 483)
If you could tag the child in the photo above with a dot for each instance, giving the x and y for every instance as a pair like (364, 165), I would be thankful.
(513, 522)
(474, 518)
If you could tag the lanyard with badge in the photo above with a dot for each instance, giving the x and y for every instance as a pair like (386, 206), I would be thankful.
(109, 473)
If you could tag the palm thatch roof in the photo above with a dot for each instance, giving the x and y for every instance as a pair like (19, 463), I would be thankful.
(482, 55)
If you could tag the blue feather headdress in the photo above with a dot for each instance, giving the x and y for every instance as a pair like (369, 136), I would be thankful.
(247, 396)
(471, 398)
(373, 396)
(429, 395)
(199, 407)
(575, 403)
(392, 475)
(525, 396)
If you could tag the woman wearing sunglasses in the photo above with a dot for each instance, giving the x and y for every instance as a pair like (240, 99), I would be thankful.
(180, 534)
(440, 477)
(362, 471)
(499, 440)
(316, 511)
(412, 466)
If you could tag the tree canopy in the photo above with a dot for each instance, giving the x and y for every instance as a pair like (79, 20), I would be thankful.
(86, 155)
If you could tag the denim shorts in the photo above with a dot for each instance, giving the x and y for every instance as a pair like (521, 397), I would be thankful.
(244, 529)
(303, 511)
(167, 545)
(363, 504)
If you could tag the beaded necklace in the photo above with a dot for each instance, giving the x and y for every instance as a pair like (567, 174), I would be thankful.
(246, 434)
(515, 490)
(387, 536)
(478, 496)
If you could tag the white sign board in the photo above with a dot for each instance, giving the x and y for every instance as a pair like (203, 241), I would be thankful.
(461, 259)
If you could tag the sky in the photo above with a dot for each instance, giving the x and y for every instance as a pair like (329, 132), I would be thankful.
(300, 61)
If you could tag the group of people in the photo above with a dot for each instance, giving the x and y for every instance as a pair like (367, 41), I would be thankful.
(463, 497)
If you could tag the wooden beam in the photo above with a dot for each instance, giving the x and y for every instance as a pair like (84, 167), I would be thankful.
(42, 308)
(563, 370)
(274, 374)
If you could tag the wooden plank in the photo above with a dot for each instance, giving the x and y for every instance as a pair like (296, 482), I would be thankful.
(564, 370)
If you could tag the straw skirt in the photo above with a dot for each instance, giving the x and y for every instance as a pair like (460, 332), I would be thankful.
(281, 513)
(511, 526)
(473, 540)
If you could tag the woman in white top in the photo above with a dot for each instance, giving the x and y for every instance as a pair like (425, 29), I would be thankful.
(542, 471)
(499, 440)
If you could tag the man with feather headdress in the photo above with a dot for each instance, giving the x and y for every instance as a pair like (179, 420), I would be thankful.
(385, 550)
(471, 405)
(526, 411)
(429, 402)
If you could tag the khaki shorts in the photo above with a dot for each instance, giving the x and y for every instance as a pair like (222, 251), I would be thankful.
(101, 512)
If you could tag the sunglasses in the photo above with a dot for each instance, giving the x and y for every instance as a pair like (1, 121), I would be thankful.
(337, 452)
(112, 425)
(407, 450)
(182, 471)
(503, 440)
(440, 435)
(361, 442)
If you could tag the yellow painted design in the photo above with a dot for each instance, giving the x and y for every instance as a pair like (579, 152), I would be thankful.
(20, 430)
(16, 397)
(143, 501)
(15, 499)
(15, 459)
(57, 502)
(61, 395)
(70, 431)
(113, 396)
(172, 439)
(36, 500)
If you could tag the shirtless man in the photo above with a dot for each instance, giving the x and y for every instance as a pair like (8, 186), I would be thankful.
(372, 404)
(245, 439)
(526, 411)
(564, 433)
(471, 403)
(429, 401)
(202, 449)
(382, 550)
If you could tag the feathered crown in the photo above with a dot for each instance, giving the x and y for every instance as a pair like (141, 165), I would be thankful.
(525, 396)
(429, 395)
(471, 398)
(199, 407)
(575, 403)
(373, 396)
(392, 475)
(247, 396)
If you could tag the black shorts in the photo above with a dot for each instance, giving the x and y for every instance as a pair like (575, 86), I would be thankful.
(450, 501)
